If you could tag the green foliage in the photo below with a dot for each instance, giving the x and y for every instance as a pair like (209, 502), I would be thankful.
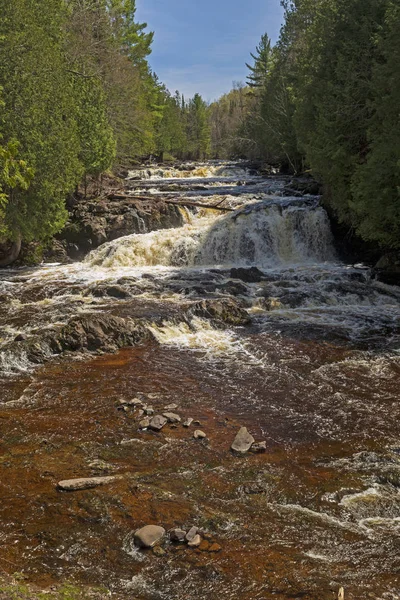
(262, 63)
(97, 142)
(171, 131)
(38, 112)
(376, 183)
(198, 129)
(327, 98)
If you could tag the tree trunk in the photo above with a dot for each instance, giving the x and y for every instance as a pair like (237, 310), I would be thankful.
(12, 253)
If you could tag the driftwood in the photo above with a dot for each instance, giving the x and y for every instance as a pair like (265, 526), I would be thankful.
(170, 201)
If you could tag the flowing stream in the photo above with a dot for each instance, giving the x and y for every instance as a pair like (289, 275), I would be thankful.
(312, 368)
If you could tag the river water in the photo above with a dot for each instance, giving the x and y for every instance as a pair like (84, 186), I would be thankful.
(314, 373)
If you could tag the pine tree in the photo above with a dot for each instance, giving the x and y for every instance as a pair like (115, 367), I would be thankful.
(262, 63)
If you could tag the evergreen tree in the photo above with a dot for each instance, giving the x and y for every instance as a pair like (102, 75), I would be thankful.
(198, 129)
(376, 184)
(262, 63)
(39, 112)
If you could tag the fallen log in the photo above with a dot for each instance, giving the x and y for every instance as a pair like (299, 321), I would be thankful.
(170, 201)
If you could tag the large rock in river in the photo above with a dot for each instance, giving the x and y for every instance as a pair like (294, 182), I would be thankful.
(226, 311)
(243, 441)
(99, 332)
(149, 536)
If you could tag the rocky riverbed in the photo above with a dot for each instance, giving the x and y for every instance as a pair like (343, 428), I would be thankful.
(227, 380)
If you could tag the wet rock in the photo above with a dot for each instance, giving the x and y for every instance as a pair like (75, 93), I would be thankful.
(178, 536)
(188, 422)
(387, 268)
(199, 435)
(195, 542)
(215, 548)
(113, 291)
(172, 417)
(234, 288)
(258, 447)
(243, 441)
(74, 485)
(20, 338)
(158, 551)
(101, 466)
(248, 275)
(98, 332)
(227, 311)
(204, 546)
(191, 534)
(144, 424)
(157, 423)
(149, 536)
(135, 402)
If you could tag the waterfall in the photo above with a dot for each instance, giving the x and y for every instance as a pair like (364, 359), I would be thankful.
(265, 234)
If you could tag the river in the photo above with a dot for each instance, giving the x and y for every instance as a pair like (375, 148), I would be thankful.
(312, 367)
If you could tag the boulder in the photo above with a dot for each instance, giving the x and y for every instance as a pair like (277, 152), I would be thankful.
(227, 311)
(199, 435)
(172, 417)
(178, 536)
(98, 332)
(87, 483)
(387, 268)
(248, 275)
(258, 447)
(195, 542)
(157, 423)
(191, 534)
(149, 536)
(243, 441)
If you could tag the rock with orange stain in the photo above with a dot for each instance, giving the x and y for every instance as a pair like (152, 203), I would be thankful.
(215, 548)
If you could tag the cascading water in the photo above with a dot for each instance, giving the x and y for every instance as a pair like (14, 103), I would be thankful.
(266, 235)
(242, 319)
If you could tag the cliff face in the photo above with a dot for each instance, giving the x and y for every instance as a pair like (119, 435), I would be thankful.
(95, 222)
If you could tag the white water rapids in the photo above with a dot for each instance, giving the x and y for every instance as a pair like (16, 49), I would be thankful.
(314, 370)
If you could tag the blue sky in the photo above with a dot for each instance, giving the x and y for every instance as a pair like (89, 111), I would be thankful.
(202, 45)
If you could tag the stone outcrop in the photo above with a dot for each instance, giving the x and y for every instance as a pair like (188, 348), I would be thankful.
(226, 310)
(387, 269)
(96, 221)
